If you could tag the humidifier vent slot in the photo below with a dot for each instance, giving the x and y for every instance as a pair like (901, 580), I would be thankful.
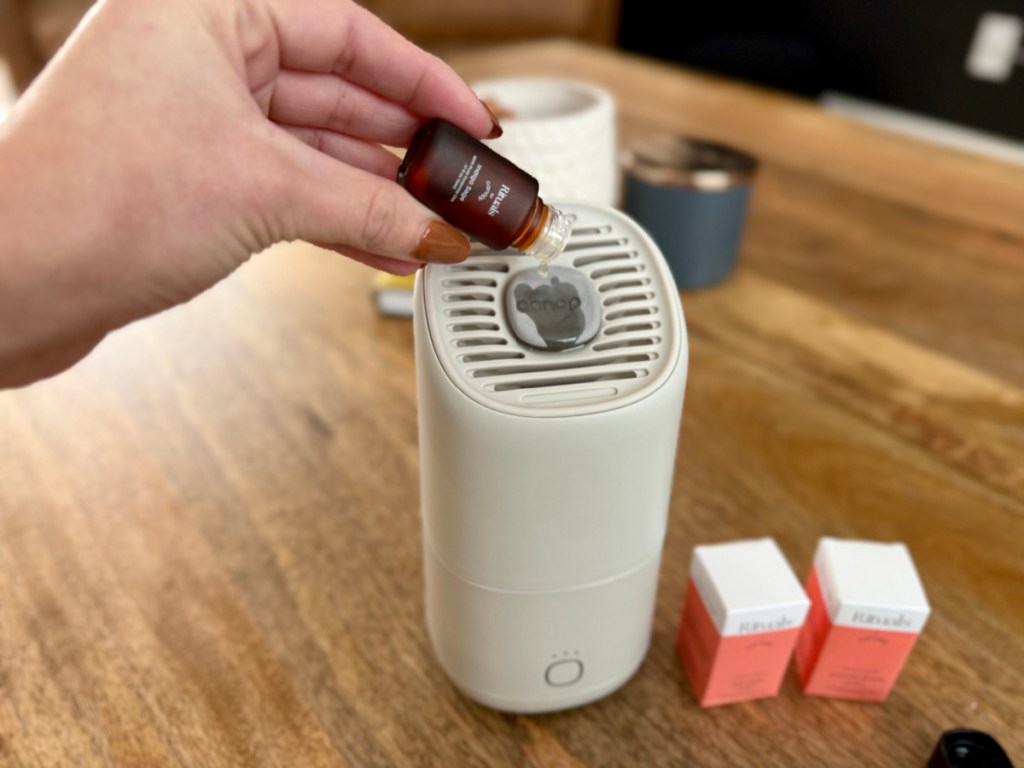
(481, 341)
(473, 327)
(455, 296)
(586, 244)
(581, 232)
(479, 265)
(640, 341)
(628, 269)
(579, 365)
(614, 330)
(619, 314)
(470, 312)
(629, 297)
(616, 255)
(462, 282)
(563, 381)
(490, 357)
(618, 285)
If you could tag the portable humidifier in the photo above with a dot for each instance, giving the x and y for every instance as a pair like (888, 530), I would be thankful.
(549, 410)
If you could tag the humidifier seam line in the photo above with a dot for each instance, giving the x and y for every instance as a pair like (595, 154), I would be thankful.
(588, 585)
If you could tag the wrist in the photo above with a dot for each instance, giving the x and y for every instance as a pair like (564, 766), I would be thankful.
(42, 321)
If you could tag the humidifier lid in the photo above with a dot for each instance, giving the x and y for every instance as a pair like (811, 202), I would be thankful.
(628, 349)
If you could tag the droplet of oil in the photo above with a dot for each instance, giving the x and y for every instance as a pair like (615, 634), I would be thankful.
(544, 264)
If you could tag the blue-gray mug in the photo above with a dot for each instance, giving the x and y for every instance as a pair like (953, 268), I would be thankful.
(691, 195)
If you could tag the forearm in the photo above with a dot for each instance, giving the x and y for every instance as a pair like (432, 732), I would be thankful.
(95, 226)
(41, 330)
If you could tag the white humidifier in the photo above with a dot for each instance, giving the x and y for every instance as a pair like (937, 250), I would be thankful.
(549, 411)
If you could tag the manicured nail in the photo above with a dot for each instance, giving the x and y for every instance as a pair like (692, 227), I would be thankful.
(496, 130)
(443, 243)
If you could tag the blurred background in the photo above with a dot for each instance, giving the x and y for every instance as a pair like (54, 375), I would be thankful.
(949, 70)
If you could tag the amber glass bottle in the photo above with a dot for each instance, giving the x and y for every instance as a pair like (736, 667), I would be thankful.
(476, 189)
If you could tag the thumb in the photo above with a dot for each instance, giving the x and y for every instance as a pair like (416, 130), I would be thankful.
(371, 218)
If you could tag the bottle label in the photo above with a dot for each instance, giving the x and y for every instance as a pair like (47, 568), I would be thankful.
(464, 182)
(500, 195)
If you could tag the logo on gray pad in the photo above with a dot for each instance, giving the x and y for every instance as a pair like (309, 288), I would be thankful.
(557, 312)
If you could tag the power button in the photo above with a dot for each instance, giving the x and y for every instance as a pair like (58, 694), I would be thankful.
(564, 672)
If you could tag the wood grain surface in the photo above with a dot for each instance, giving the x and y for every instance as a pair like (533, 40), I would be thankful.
(209, 532)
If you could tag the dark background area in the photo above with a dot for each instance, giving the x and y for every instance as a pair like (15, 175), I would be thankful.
(909, 54)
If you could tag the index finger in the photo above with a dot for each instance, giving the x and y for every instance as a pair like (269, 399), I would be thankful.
(348, 40)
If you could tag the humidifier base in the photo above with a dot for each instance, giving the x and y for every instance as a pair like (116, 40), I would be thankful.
(540, 651)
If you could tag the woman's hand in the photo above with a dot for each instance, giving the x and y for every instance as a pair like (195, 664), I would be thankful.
(167, 142)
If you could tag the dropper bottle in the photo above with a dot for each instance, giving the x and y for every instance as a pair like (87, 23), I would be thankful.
(490, 198)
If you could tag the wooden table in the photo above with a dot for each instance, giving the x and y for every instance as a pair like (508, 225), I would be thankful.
(209, 535)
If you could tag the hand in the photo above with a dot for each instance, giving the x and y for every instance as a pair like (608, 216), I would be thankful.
(167, 142)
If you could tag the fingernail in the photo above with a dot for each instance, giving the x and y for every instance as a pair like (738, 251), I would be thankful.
(496, 130)
(443, 243)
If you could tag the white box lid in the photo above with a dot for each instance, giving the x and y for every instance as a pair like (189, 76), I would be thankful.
(870, 584)
(748, 586)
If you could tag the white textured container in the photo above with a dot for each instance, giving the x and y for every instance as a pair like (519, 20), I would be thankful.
(562, 132)
(546, 476)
